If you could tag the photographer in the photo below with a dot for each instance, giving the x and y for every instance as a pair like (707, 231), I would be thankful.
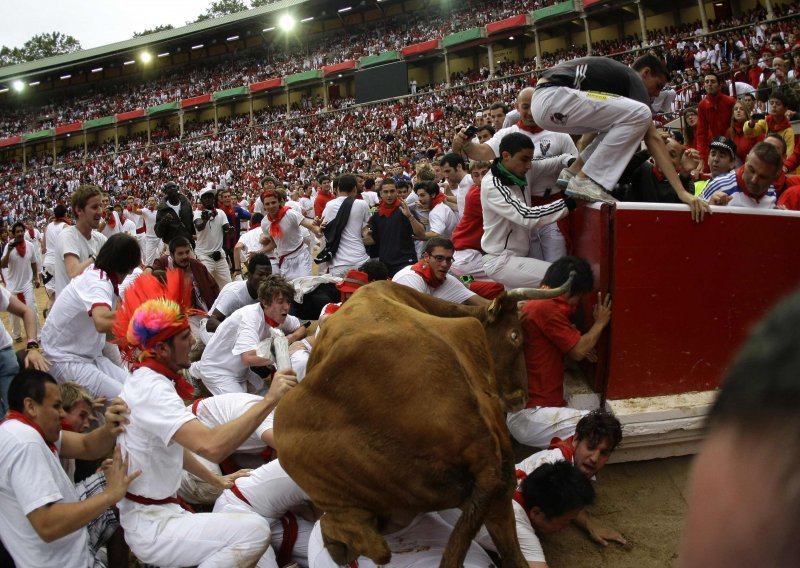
(211, 225)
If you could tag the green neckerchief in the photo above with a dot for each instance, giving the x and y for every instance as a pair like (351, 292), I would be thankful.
(521, 182)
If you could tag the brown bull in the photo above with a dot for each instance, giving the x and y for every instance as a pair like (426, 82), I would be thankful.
(403, 409)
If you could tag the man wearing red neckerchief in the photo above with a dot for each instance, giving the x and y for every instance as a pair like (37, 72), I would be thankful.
(42, 519)
(110, 224)
(393, 227)
(23, 274)
(553, 152)
(152, 328)
(430, 275)
(595, 438)
(282, 228)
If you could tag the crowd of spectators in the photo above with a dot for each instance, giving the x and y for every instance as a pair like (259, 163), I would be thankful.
(280, 58)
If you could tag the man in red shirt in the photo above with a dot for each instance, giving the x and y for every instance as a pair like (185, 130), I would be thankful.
(713, 114)
(549, 335)
(324, 194)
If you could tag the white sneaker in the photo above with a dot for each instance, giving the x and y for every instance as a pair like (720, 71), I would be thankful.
(588, 190)
(563, 178)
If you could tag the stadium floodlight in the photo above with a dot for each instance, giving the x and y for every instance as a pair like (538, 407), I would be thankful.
(4, 90)
(97, 70)
(129, 62)
(511, 37)
(163, 54)
(198, 46)
(65, 77)
(345, 9)
(286, 22)
(33, 83)
(145, 57)
(18, 85)
(233, 38)
(304, 20)
(268, 29)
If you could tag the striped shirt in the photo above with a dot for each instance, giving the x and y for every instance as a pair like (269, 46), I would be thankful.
(728, 184)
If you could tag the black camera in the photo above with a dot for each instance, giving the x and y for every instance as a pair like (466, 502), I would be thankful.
(471, 130)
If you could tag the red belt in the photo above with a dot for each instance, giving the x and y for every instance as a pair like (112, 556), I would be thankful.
(195, 405)
(289, 522)
(168, 501)
(283, 257)
(238, 492)
(140, 230)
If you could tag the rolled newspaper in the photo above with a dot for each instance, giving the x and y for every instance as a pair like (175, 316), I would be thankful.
(276, 349)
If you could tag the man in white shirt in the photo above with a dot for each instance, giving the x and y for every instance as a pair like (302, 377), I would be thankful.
(239, 293)
(351, 252)
(282, 229)
(152, 243)
(51, 233)
(430, 275)
(74, 335)
(455, 172)
(42, 519)
(20, 260)
(441, 219)
(163, 434)
(229, 358)
(77, 246)
(110, 224)
(211, 224)
(250, 243)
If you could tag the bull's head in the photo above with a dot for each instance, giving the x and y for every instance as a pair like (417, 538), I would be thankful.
(506, 342)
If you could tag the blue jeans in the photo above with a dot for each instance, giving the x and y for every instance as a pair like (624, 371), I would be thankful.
(8, 370)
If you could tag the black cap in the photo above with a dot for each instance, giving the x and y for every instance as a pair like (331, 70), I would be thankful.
(170, 185)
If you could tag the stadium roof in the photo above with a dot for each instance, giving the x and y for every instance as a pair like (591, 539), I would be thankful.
(57, 62)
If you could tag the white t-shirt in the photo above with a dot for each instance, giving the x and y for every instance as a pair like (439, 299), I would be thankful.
(419, 545)
(211, 237)
(71, 241)
(5, 299)
(551, 152)
(128, 227)
(371, 198)
(69, 333)
(242, 331)
(35, 241)
(156, 414)
(20, 272)
(233, 296)
(461, 191)
(351, 250)
(291, 236)
(31, 476)
(51, 233)
(217, 410)
(451, 290)
(108, 230)
(149, 222)
(442, 220)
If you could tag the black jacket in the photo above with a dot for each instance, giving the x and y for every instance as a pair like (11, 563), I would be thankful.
(169, 225)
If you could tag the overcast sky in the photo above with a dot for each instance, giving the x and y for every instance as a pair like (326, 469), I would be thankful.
(93, 22)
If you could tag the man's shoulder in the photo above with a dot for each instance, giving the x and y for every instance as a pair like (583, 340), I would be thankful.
(725, 182)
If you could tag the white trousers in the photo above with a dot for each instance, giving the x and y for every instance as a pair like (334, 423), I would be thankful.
(195, 490)
(167, 535)
(515, 271)
(100, 377)
(536, 427)
(468, 261)
(547, 243)
(16, 322)
(152, 246)
(296, 265)
(219, 269)
(621, 123)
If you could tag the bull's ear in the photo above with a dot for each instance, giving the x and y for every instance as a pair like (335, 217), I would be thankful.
(494, 310)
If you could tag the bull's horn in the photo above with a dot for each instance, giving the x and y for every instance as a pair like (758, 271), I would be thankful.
(520, 294)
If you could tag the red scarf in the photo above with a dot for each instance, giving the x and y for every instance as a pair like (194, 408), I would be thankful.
(658, 174)
(780, 126)
(387, 210)
(440, 198)
(183, 387)
(255, 225)
(14, 415)
(426, 272)
(111, 221)
(62, 220)
(67, 426)
(271, 322)
(565, 446)
(30, 232)
(743, 186)
(531, 129)
(275, 227)
(230, 212)
(21, 248)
